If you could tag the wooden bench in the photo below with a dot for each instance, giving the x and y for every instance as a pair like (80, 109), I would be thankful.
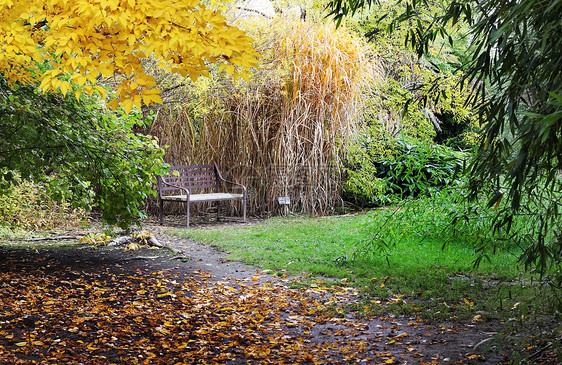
(179, 183)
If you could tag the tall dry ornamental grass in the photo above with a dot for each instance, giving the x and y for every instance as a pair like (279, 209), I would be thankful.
(283, 132)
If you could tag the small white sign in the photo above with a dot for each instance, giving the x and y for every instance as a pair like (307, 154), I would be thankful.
(284, 200)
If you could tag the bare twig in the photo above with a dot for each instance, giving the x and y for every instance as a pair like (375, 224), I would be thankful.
(55, 238)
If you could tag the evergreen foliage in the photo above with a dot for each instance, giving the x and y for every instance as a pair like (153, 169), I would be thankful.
(400, 169)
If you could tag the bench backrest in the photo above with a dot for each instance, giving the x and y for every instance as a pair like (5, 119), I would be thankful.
(189, 177)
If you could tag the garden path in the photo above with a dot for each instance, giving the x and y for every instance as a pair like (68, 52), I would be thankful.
(70, 304)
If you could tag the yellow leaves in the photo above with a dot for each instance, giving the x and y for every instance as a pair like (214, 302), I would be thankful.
(7, 3)
(79, 79)
(474, 357)
(92, 347)
(95, 239)
(101, 91)
(132, 247)
(151, 96)
(110, 37)
(477, 318)
(167, 294)
(229, 69)
(113, 104)
(172, 316)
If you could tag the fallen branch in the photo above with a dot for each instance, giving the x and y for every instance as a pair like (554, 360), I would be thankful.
(154, 242)
(139, 258)
(123, 240)
(119, 241)
(55, 238)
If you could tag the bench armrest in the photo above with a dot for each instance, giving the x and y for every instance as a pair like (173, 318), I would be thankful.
(163, 181)
(233, 183)
(228, 182)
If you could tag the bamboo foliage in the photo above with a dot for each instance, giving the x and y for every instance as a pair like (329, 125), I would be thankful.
(283, 132)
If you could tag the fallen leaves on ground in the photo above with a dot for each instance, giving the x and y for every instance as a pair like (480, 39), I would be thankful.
(170, 317)
(157, 317)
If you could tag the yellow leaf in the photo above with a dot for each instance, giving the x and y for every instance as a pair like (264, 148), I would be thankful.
(229, 69)
(137, 101)
(106, 72)
(127, 105)
(88, 90)
(21, 344)
(65, 87)
(113, 104)
(92, 347)
(102, 91)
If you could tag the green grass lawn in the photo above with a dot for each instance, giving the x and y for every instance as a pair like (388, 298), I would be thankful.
(431, 281)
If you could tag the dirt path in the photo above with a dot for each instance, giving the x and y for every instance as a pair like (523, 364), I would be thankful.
(203, 257)
(443, 343)
(302, 325)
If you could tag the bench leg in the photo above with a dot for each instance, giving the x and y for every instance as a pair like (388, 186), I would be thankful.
(161, 207)
(244, 203)
(187, 225)
(218, 210)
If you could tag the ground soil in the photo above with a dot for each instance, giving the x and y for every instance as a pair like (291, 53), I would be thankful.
(424, 342)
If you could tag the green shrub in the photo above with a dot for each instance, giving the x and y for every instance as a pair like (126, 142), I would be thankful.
(83, 153)
(27, 205)
(383, 171)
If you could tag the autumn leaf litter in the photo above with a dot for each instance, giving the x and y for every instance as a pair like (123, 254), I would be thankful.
(102, 306)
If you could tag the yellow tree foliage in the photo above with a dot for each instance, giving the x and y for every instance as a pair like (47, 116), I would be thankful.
(84, 40)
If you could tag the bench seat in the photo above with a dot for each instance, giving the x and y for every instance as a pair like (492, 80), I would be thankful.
(212, 197)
